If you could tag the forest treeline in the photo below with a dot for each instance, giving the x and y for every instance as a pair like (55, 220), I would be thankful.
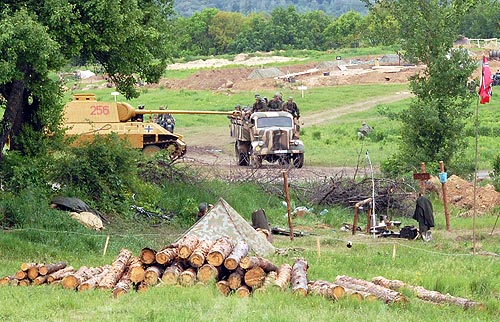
(334, 8)
(215, 32)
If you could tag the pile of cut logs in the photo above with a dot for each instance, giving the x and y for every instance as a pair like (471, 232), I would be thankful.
(229, 265)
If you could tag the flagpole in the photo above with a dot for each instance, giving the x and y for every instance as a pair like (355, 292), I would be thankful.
(475, 181)
(484, 95)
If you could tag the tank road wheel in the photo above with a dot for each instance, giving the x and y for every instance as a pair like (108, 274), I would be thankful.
(298, 160)
(151, 149)
(256, 161)
(174, 150)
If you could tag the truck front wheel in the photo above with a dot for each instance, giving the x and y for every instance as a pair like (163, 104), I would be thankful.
(298, 161)
(241, 153)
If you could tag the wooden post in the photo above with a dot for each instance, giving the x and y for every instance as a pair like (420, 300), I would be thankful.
(105, 246)
(318, 246)
(422, 182)
(445, 202)
(422, 176)
(368, 220)
(287, 198)
(356, 215)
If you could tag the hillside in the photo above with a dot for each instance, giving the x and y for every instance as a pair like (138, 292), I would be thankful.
(331, 7)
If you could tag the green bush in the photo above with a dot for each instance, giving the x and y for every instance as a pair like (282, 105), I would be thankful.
(495, 175)
(104, 172)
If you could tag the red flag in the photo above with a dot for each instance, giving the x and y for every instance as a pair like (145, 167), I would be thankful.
(485, 84)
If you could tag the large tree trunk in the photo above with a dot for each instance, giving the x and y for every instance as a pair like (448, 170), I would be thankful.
(299, 277)
(51, 268)
(220, 250)
(72, 281)
(255, 276)
(284, 276)
(248, 262)
(40, 279)
(60, 274)
(239, 251)
(223, 287)
(116, 271)
(20, 275)
(167, 255)
(26, 266)
(123, 284)
(198, 256)
(8, 126)
(235, 279)
(93, 282)
(148, 256)
(243, 291)
(6, 279)
(187, 245)
(153, 274)
(33, 271)
(326, 289)
(426, 295)
(208, 273)
(188, 277)
(137, 271)
(171, 274)
(383, 293)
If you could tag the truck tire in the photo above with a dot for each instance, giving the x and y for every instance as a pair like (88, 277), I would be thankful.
(298, 161)
(241, 152)
(256, 161)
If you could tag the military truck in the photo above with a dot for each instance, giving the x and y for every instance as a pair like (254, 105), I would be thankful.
(269, 136)
(85, 117)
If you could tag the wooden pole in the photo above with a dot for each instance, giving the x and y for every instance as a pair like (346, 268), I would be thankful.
(445, 201)
(105, 246)
(394, 251)
(475, 179)
(422, 182)
(288, 207)
(318, 246)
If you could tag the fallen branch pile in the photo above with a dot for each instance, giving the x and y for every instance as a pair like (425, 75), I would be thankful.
(229, 265)
(391, 195)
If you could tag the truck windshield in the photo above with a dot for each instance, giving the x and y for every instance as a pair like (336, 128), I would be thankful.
(277, 121)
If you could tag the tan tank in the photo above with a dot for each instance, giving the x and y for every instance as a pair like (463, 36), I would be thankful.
(85, 117)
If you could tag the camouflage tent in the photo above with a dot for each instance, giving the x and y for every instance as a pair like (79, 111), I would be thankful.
(223, 220)
(262, 73)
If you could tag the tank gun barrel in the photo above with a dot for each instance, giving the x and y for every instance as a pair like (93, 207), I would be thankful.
(126, 112)
(182, 112)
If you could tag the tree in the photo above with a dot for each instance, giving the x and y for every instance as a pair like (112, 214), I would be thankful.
(224, 29)
(39, 37)
(433, 124)
(344, 31)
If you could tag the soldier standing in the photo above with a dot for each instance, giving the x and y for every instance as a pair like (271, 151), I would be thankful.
(274, 104)
(259, 105)
(291, 107)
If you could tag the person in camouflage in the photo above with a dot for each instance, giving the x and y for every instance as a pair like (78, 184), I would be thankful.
(259, 105)
(274, 104)
(291, 107)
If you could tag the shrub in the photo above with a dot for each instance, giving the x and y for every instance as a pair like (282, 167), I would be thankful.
(103, 171)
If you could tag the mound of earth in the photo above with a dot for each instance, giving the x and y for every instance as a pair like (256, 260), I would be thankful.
(460, 193)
